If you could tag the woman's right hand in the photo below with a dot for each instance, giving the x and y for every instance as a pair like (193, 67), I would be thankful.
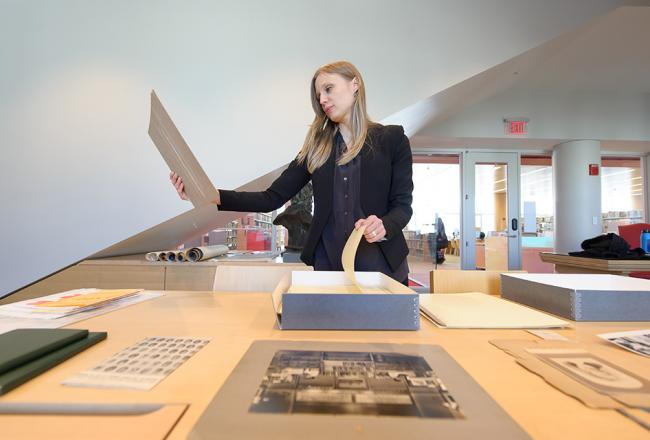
(177, 181)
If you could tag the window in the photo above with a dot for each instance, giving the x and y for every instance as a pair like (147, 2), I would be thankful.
(621, 192)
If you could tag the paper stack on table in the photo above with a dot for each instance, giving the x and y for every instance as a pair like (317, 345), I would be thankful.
(478, 310)
(63, 304)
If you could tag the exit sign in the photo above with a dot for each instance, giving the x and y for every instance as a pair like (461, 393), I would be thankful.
(516, 126)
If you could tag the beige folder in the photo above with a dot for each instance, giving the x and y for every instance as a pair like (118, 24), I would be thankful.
(178, 155)
(154, 425)
(478, 310)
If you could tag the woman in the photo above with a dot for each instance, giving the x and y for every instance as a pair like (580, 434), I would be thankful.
(361, 174)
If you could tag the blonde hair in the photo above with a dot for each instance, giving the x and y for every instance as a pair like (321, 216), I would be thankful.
(320, 137)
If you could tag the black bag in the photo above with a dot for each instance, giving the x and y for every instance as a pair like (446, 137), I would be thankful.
(610, 247)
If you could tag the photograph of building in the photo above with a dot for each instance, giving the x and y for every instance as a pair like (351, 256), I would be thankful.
(329, 382)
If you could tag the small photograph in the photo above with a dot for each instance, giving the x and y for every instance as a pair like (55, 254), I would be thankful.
(361, 383)
(594, 372)
(637, 341)
(633, 344)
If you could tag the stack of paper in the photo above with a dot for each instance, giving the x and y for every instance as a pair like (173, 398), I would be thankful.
(478, 310)
(63, 304)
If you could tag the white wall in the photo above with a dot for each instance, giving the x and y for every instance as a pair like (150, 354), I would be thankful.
(555, 115)
(80, 172)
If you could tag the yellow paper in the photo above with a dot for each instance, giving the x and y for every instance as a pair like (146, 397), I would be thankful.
(349, 252)
(86, 299)
(478, 310)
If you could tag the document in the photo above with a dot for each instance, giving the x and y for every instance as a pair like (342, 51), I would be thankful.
(140, 366)
(636, 341)
(179, 157)
(63, 304)
(349, 253)
(338, 390)
(8, 323)
(596, 382)
(479, 310)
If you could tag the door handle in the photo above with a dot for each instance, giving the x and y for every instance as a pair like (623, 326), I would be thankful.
(514, 224)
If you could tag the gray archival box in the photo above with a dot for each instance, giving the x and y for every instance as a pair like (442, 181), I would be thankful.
(282, 390)
(581, 297)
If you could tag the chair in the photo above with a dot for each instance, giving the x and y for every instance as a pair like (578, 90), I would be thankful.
(632, 234)
(464, 281)
(252, 277)
(496, 253)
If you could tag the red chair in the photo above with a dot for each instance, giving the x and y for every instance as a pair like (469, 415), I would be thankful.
(632, 234)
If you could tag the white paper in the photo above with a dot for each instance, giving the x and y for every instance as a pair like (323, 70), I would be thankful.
(548, 335)
(140, 366)
(636, 341)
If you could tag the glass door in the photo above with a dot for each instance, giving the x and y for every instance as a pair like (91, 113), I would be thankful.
(490, 230)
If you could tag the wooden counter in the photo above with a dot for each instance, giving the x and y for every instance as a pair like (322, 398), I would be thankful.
(568, 264)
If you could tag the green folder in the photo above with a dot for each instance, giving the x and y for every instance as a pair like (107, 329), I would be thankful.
(48, 358)
(20, 346)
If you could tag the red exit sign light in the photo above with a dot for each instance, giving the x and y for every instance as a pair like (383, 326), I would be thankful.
(516, 126)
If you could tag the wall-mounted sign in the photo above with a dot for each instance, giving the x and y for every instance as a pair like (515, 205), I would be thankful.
(593, 169)
(516, 126)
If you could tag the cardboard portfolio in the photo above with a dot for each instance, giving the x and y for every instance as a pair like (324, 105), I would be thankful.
(331, 390)
(317, 300)
(581, 297)
(99, 425)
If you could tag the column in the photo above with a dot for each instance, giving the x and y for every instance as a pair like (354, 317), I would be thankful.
(577, 194)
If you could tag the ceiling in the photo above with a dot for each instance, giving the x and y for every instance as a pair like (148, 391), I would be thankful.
(611, 53)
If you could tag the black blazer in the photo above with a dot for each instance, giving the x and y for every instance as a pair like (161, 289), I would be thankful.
(386, 191)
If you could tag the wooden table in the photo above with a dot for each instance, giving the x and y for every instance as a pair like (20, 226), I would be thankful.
(567, 264)
(234, 320)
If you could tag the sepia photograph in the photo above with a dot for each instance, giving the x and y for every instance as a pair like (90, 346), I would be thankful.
(361, 383)
(594, 372)
(636, 341)
(634, 344)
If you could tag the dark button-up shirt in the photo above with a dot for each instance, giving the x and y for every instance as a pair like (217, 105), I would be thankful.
(346, 210)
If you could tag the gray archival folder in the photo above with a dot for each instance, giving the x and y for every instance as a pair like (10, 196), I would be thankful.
(228, 416)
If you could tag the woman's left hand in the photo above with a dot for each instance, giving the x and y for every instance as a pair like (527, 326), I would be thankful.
(375, 230)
